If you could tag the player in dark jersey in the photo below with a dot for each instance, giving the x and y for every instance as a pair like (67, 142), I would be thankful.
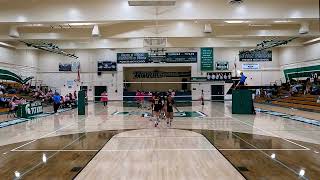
(157, 108)
(164, 108)
(169, 107)
(153, 96)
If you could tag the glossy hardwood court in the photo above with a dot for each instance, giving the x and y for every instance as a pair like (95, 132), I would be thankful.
(103, 145)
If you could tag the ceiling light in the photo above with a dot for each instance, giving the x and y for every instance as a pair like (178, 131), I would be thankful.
(235, 21)
(13, 32)
(304, 28)
(302, 172)
(207, 28)
(235, 1)
(6, 45)
(44, 158)
(180, 24)
(17, 174)
(259, 25)
(315, 40)
(33, 25)
(233, 40)
(80, 24)
(273, 156)
(282, 21)
(96, 31)
(152, 2)
(187, 4)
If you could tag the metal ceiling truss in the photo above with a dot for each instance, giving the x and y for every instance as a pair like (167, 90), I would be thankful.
(49, 47)
(268, 44)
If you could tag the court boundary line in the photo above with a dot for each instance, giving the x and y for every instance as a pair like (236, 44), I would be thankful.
(46, 135)
(278, 161)
(56, 152)
(136, 150)
(273, 134)
(34, 140)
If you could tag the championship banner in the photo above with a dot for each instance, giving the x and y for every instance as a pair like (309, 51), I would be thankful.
(206, 59)
(181, 57)
(65, 67)
(263, 55)
(222, 66)
(219, 76)
(107, 66)
(158, 74)
(132, 58)
(250, 66)
(30, 109)
(170, 57)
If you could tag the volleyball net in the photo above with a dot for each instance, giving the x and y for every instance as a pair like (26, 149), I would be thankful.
(184, 93)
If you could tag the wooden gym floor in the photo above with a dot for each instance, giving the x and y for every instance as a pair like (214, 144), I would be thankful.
(102, 145)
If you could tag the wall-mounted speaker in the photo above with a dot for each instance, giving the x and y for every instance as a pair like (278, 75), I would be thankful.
(99, 73)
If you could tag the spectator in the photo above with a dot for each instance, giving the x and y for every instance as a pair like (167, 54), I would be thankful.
(141, 98)
(67, 101)
(137, 98)
(308, 86)
(56, 102)
(71, 97)
(104, 98)
(173, 93)
(75, 95)
(4, 102)
(242, 81)
(13, 107)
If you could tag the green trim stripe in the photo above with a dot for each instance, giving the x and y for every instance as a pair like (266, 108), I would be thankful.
(7, 75)
(301, 72)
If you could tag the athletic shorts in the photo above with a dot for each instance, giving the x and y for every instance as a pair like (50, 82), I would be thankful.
(157, 108)
(169, 109)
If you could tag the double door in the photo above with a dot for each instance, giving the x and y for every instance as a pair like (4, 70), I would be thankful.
(217, 92)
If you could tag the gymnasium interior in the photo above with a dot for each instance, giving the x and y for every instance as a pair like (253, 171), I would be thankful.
(79, 79)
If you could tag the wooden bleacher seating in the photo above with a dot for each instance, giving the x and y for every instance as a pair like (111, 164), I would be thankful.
(304, 102)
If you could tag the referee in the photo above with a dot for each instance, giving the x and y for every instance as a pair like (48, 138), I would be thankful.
(242, 81)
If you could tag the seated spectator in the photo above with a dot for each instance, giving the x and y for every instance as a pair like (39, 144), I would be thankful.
(308, 86)
(315, 90)
(295, 89)
(274, 90)
(75, 95)
(13, 107)
(67, 101)
(71, 97)
(2, 87)
(4, 102)
(36, 94)
(258, 92)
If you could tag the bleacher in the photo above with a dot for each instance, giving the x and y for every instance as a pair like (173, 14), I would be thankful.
(303, 102)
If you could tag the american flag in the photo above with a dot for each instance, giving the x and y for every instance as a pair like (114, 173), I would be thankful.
(78, 78)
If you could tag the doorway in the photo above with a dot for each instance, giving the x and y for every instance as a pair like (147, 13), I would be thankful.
(217, 93)
(97, 92)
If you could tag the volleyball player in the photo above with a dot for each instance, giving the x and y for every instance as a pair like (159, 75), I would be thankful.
(202, 98)
(157, 108)
(169, 108)
(164, 107)
(153, 96)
